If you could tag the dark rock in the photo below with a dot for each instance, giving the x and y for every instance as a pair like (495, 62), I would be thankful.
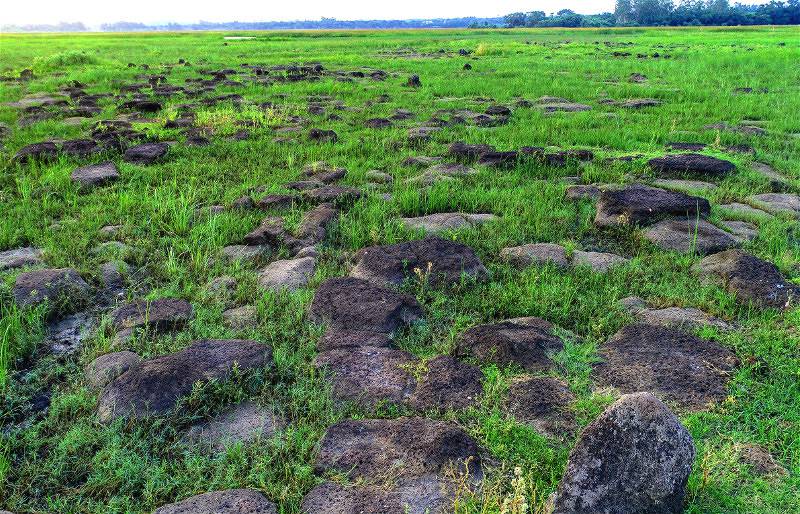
(693, 164)
(101, 371)
(749, 278)
(45, 151)
(270, 232)
(414, 81)
(498, 110)
(355, 304)
(528, 342)
(63, 289)
(634, 459)
(687, 147)
(642, 205)
(232, 501)
(66, 335)
(157, 384)
(499, 159)
(96, 174)
(439, 261)
(275, 202)
(469, 153)
(160, 315)
(333, 498)
(146, 153)
(315, 222)
(334, 339)
(447, 384)
(672, 364)
(378, 123)
(80, 147)
(322, 135)
(544, 403)
(338, 195)
(20, 257)
(690, 236)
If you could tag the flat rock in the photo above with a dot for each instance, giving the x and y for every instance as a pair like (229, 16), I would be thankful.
(239, 318)
(684, 185)
(544, 403)
(683, 318)
(690, 236)
(337, 195)
(643, 205)
(599, 262)
(564, 107)
(741, 230)
(355, 304)
(741, 209)
(692, 164)
(62, 288)
(760, 461)
(314, 225)
(334, 339)
(777, 181)
(146, 153)
(447, 384)
(253, 254)
(232, 501)
(242, 423)
(96, 174)
(582, 192)
(44, 151)
(290, 274)
(749, 278)
(333, 498)
(672, 364)
(536, 253)
(634, 459)
(101, 371)
(19, 258)
(435, 223)
(440, 261)
(778, 203)
(157, 384)
(161, 315)
(527, 342)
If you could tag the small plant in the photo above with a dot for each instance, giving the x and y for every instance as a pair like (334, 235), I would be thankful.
(64, 59)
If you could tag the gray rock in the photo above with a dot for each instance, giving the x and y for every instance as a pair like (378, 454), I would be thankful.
(776, 181)
(147, 153)
(528, 342)
(684, 185)
(62, 288)
(582, 192)
(161, 315)
(778, 203)
(741, 209)
(693, 164)
(242, 253)
(66, 335)
(742, 230)
(634, 459)
(379, 177)
(435, 223)
(240, 318)
(289, 274)
(536, 253)
(443, 171)
(20, 257)
(242, 423)
(96, 175)
(690, 236)
(101, 371)
(232, 501)
(599, 262)
(222, 289)
(685, 318)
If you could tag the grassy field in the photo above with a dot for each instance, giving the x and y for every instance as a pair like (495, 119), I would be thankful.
(60, 459)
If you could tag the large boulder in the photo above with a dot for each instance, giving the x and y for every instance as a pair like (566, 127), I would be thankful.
(749, 278)
(670, 363)
(62, 288)
(643, 205)
(439, 261)
(232, 501)
(528, 342)
(692, 164)
(157, 384)
(690, 236)
(354, 304)
(634, 459)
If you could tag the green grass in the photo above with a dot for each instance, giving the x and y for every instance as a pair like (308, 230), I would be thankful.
(65, 461)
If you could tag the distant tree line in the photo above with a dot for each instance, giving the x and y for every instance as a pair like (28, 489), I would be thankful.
(667, 13)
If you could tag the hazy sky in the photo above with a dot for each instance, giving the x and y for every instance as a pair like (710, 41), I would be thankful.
(95, 12)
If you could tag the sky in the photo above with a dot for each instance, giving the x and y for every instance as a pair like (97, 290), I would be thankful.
(95, 12)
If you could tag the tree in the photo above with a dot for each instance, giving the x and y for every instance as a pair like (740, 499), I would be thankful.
(623, 12)
(516, 19)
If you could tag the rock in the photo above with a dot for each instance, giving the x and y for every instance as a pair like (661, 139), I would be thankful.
(682, 318)
(634, 459)
(315, 222)
(157, 384)
(19, 258)
(66, 335)
(288, 274)
(45, 151)
(417, 452)
(470, 153)
(447, 384)
(147, 153)
(337, 195)
(690, 236)
(642, 205)
(96, 174)
(62, 288)
(582, 192)
(322, 135)
(687, 147)
(275, 202)
(270, 232)
(639, 103)
(435, 223)
(599, 262)
(369, 375)
(443, 171)
(80, 147)
(439, 261)
(240, 318)
(740, 209)
(499, 159)
(160, 315)
(420, 160)
(528, 342)
(334, 338)
(378, 177)
(354, 304)
(684, 185)
(749, 278)
(105, 368)
(222, 289)
(243, 203)
(672, 364)
(242, 423)
(414, 81)
(333, 498)
(536, 253)
(419, 135)
(378, 123)
(323, 172)
(544, 403)
(692, 164)
(232, 501)
(759, 460)
(109, 232)
(741, 230)
(254, 254)
(565, 106)
(776, 181)
(778, 203)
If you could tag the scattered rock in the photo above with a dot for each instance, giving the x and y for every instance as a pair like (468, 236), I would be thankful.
(443, 171)
(336, 195)
(414, 81)
(232, 501)
(599, 262)
(147, 153)
(447, 384)
(690, 236)
(528, 342)
(582, 192)
(315, 222)
(759, 460)
(544, 403)
(63, 289)
(240, 318)
(242, 423)
(157, 384)
(435, 223)
(741, 230)
(334, 338)
(749, 278)
(642, 205)
(777, 181)
(682, 318)
(635, 458)
(160, 315)
(778, 203)
(96, 174)
(684, 185)
(101, 371)
(536, 253)
(66, 335)
(741, 209)
(354, 304)
(692, 163)
(45, 151)
(322, 135)
(677, 366)
(19, 258)
(439, 261)
(254, 254)
(378, 177)
(289, 274)
(275, 202)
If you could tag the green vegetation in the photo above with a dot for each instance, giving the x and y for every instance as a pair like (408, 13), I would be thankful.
(60, 459)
